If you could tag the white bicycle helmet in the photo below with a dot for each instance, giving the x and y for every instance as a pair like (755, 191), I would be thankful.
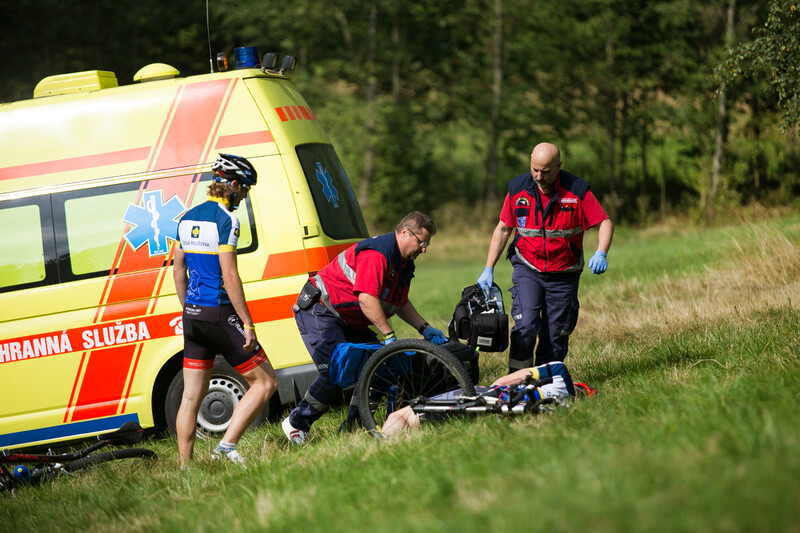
(234, 167)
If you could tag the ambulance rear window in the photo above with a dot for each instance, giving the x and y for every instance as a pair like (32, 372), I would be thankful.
(334, 199)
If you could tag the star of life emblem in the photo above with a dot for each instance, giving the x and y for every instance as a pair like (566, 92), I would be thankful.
(154, 224)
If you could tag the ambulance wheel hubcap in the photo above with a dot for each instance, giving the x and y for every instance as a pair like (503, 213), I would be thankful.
(217, 408)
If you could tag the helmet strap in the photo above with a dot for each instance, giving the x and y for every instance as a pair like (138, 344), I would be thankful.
(231, 196)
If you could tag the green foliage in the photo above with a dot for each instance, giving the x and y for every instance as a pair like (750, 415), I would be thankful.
(624, 87)
(773, 57)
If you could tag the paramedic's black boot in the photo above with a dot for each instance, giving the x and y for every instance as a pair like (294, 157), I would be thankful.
(352, 421)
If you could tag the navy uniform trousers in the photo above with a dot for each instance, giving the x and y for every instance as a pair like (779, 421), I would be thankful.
(321, 332)
(544, 306)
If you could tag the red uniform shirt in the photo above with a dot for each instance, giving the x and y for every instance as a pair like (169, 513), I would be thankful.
(550, 237)
(378, 272)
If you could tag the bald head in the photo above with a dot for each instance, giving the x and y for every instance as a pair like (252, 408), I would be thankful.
(545, 166)
(546, 154)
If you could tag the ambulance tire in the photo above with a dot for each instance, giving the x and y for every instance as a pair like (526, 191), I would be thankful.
(226, 387)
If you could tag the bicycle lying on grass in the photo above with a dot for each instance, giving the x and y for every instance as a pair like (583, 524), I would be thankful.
(50, 465)
(432, 381)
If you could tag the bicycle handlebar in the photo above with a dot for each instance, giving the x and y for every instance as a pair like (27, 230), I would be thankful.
(530, 385)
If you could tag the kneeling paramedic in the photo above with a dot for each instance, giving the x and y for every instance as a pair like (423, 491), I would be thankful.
(215, 315)
(363, 286)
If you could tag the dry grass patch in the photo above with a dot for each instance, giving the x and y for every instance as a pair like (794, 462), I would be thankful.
(765, 272)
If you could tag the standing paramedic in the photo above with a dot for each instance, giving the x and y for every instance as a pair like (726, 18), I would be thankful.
(363, 286)
(550, 210)
(215, 315)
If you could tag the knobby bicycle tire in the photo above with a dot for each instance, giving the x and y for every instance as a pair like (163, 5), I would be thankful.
(403, 371)
(104, 457)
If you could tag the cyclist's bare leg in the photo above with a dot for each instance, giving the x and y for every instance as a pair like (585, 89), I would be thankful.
(195, 386)
(399, 421)
(263, 384)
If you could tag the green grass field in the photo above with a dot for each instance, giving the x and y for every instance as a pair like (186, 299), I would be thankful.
(692, 339)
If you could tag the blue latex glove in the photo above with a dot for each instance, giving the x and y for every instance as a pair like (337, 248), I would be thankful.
(434, 335)
(486, 278)
(598, 263)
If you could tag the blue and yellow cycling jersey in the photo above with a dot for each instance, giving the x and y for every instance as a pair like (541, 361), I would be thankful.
(204, 232)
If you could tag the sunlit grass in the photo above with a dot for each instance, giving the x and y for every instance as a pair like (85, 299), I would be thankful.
(692, 338)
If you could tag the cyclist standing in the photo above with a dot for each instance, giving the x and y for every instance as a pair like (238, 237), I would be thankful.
(215, 314)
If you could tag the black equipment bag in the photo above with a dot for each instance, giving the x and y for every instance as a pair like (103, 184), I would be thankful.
(467, 355)
(481, 322)
(436, 378)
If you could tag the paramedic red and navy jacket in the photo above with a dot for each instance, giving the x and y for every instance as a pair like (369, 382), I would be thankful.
(373, 266)
(550, 230)
(204, 232)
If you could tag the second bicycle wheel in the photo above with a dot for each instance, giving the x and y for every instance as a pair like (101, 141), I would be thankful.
(402, 371)
(113, 455)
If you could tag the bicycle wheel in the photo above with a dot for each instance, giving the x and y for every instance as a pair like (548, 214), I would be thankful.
(104, 457)
(402, 371)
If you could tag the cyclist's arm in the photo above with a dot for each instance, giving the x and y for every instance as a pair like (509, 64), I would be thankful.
(235, 290)
(179, 275)
(515, 378)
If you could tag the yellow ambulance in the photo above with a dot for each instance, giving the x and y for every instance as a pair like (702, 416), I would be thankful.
(94, 178)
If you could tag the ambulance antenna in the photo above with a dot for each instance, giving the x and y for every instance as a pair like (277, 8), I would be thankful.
(208, 29)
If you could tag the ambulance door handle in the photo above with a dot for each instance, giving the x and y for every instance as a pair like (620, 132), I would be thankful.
(309, 230)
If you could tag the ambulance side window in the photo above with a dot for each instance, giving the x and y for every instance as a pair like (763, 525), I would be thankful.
(333, 195)
(89, 224)
(28, 257)
(94, 225)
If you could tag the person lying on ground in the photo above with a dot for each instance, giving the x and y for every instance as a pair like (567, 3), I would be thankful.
(562, 387)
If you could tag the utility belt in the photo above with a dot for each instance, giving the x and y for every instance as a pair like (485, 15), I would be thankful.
(308, 296)
(311, 294)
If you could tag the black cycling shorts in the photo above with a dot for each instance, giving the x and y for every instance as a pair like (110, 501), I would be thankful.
(208, 331)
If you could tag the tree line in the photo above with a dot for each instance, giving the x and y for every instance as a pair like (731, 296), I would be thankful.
(672, 106)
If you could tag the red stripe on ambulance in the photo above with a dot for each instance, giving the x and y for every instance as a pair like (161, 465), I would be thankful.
(295, 112)
(75, 163)
(242, 139)
(101, 337)
(185, 141)
(301, 261)
(94, 337)
(103, 380)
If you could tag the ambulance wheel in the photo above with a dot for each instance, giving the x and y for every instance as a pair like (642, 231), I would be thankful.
(225, 389)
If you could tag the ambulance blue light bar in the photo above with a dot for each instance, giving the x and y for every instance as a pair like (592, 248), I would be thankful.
(246, 57)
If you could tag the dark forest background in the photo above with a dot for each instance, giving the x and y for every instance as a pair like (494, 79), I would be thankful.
(673, 107)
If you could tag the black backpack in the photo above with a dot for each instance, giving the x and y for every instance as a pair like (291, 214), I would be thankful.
(483, 324)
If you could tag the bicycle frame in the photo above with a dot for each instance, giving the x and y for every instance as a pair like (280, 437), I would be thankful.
(129, 433)
(482, 403)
